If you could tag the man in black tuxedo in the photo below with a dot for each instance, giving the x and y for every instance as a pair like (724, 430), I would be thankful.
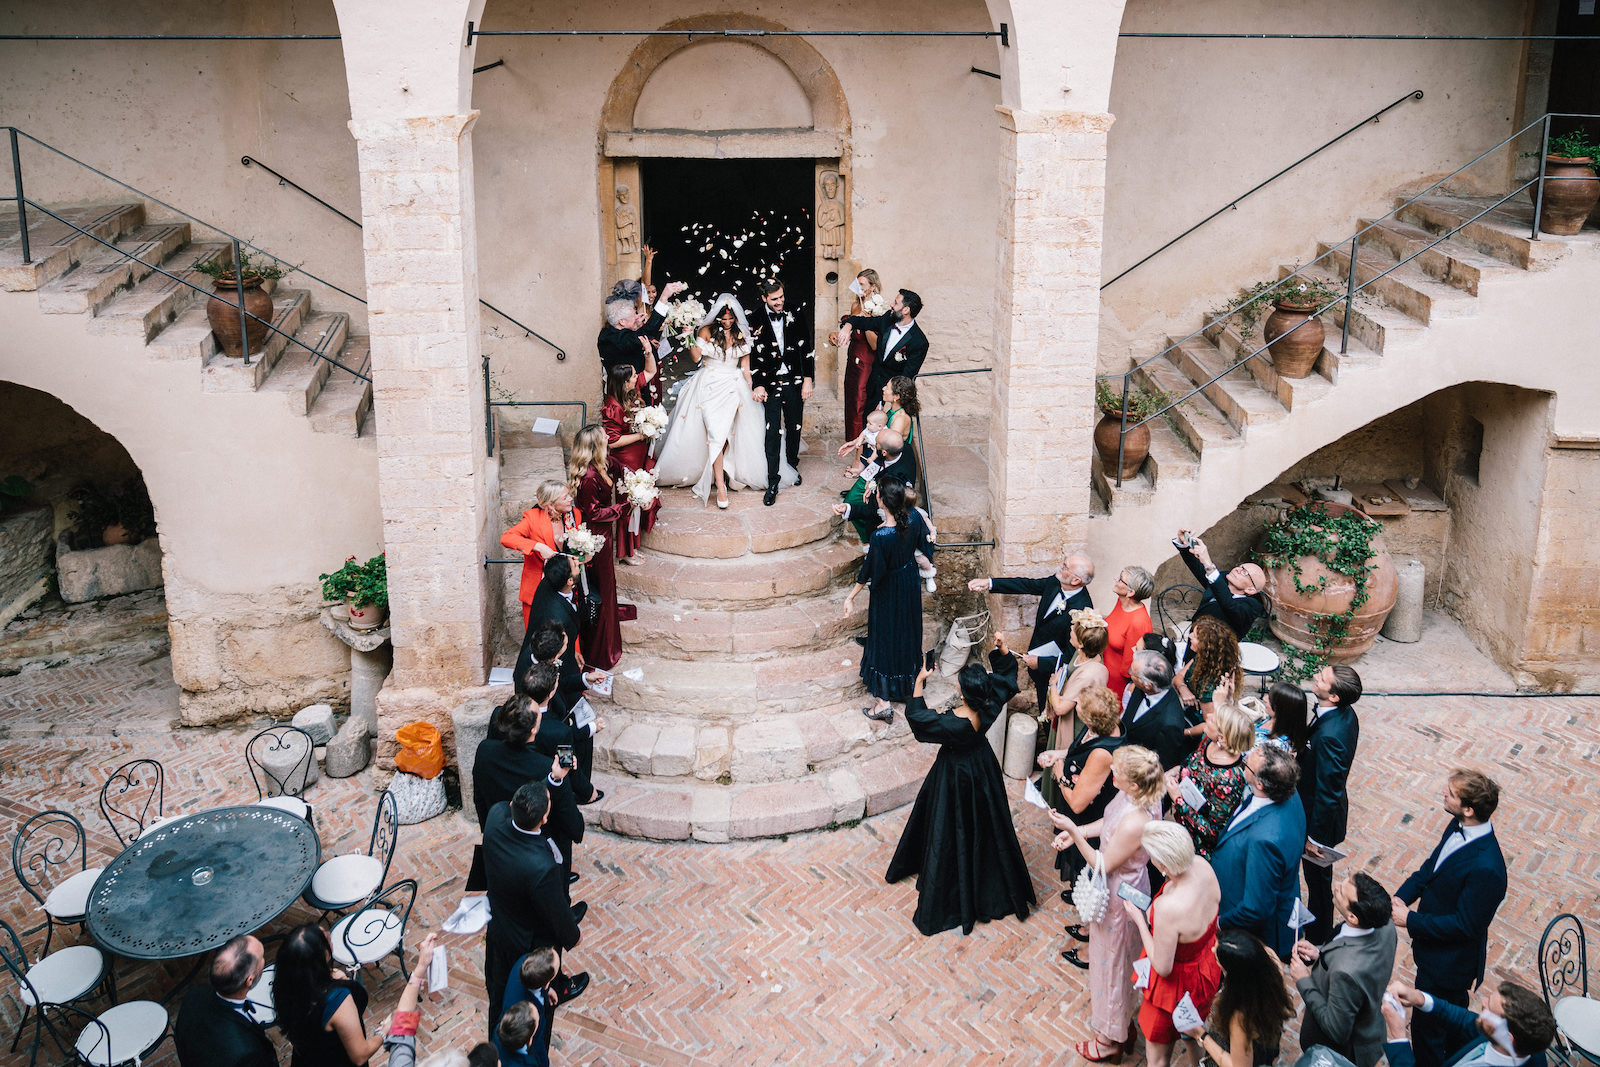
(1324, 772)
(1235, 597)
(1457, 893)
(218, 1026)
(628, 330)
(902, 346)
(503, 766)
(555, 604)
(782, 366)
(528, 902)
(1342, 982)
(1060, 594)
(1514, 1029)
(899, 465)
(557, 726)
(1152, 714)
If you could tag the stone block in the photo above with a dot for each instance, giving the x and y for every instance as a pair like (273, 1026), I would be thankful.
(109, 571)
(769, 751)
(350, 750)
(710, 815)
(849, 799)
(471, 724)
(893, 778)
(713, 750)
(675, 753)
(281, 766)
(781, 808)
(659, 814)
(632, 749)
(317, 720)
(25, 551)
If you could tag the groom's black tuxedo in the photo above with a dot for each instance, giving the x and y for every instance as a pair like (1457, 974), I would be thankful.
(780, 368)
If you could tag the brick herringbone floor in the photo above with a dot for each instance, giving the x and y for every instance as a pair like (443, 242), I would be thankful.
(791, 951)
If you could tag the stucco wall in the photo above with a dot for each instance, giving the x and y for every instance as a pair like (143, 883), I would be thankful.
(1562, 639)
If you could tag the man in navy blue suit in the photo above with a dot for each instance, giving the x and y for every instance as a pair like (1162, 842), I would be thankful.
(1513, 1029)
(1324, 772)
(1457, 893)
(1256, 858)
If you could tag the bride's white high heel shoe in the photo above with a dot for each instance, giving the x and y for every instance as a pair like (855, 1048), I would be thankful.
(722, 498)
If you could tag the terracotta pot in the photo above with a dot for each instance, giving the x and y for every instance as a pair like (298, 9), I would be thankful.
(1294, 355)
(1570, 193)
(1134, 449)
(366, 616)
(222, 312)
(116, 534)
(1293, 611)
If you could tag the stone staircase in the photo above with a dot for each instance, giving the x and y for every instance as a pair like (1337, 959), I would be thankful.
(74, 274)
(1242, 431)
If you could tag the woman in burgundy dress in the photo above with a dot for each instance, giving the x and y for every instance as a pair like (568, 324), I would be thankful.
(859, 357)
(607, 510)
(629, 449)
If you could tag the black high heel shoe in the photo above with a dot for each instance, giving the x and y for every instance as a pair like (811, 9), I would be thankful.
(1072, 957)
(1076, 931)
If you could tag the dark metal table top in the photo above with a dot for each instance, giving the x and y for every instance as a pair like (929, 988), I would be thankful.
(189, 885)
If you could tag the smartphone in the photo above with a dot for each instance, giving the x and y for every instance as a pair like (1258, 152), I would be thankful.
(565, 757)
(930, 659)
(1138, 899)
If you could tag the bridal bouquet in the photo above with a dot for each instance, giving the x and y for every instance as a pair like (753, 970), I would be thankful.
(650, 421)
(683, 322)
(640, 487)
(583, 544)
(874, 305)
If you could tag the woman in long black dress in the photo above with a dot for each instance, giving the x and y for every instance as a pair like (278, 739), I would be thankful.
(1082, 772)
(960, 840)
(893, 649)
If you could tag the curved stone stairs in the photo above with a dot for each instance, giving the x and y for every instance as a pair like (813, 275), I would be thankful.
(1244, 430)
(73, 274)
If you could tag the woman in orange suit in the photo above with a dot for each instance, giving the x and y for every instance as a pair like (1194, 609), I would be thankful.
(539, 534)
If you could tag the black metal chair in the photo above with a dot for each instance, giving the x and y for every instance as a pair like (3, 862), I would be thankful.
(346, 881)
(377, 930)
(280, 759)
(127, 1033)
(42, 856)
(62, 977)
(1563, 959)
(129, 794)
(1174, 605)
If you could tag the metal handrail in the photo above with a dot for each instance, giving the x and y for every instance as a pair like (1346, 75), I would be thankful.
(489, 403)
(1415, 94)
(527, 331)
(1351, 288)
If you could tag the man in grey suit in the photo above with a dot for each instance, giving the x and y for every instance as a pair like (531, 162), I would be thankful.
(1342, 983)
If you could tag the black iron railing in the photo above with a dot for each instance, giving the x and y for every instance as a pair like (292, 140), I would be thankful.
(490, 403)
(1347, 297)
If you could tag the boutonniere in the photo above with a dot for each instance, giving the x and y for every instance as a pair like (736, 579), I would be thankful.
(788, 317)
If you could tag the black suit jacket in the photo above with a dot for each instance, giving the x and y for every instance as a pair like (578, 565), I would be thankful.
(903, 360)
(772, 368)
(1218, 601)
(528, 902)
(548, 607)
(209, 1033)
(1160, 729)
(622, 346)
(500, 770)
(1456, 902)
(1324, 770)
(903, 468)
(1047, 625)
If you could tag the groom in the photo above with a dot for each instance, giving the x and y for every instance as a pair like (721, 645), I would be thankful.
(781, 368)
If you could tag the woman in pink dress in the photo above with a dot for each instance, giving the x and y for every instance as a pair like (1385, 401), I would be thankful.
(1114, 940)
(1127, 624)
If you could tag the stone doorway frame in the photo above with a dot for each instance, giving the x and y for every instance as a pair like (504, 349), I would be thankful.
(827, 143)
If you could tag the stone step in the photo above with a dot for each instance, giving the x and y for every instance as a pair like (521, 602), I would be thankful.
(1377, 326)
(300, 375)
(150, 305)
(344, 405)
(187, 338)
(1449, 261)
(104, 271)
(55, 247)
(522, 469)
(1197, 419)
(747, 580)
(1292, 393)
(673, 630)
(1242, 401)
(225, 374)
(801, 516)
(1504, 233)
(1405, 288)
(719, 689)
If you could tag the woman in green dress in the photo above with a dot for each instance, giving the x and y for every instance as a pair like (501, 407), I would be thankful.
(901, 406)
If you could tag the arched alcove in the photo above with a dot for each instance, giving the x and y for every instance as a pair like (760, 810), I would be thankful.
(753, 90)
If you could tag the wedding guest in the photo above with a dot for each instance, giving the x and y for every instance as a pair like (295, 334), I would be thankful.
(1324, 777)
(1081, 777)
(865, 443)
(557, 726)
(1059, 594)
(629, 333)
(1250, 1008)
(629, 451)
(893, 647)
(1216, 768)
(859, 357)
(1514, 1029)
(1342, 982)
(1179, 936)
(218, 1025)
(1457, 892)
(523, 1036)
(503, 766)
(320, 1010)
(960, 841)
(902, 346)
(1113, 941)
(539, 534)
(1088, 639)
(896, 445)
(401, 1039)
(1256, 857)
(595, 493)
(1213, 658)
(1152, 716)
(1235, 597)
(1285, 723)
(555, 604)
(1127, 624)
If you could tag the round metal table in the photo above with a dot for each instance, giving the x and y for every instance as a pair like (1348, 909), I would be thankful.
(1258, 661)
(192, 884)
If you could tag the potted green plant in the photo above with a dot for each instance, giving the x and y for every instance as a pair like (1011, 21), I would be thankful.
(1142, 403)
(1569, 184)
(222, 310)
(1284, 306)
(364, 587)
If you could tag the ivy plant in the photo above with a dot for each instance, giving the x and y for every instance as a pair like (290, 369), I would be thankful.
(1343, 544)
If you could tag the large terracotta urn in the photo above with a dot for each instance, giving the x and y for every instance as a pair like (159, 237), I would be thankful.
(1294, 611)
(1570, 193)
(222, 312)
(1294, 347)
(1134, 449)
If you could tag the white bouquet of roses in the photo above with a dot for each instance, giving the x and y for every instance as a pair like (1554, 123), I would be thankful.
(640, 488)
(650, 421)
(584, 544)
(683, 322)
(874, 305)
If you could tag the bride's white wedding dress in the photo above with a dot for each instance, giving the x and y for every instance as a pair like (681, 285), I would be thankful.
(715, 407)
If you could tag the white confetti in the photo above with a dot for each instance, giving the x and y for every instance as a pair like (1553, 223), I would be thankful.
(777, 989)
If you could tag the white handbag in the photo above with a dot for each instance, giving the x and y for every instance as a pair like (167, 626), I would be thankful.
(1090, 895)
(417, 799)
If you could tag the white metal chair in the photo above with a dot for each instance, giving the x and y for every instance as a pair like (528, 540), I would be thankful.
(345, 881)
(126, 1033)
(129, 795)
(377, 930)
(260, 996)
(60, 978)
(42, 856)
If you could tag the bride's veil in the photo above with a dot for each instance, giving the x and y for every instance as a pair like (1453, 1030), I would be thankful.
(738, 313)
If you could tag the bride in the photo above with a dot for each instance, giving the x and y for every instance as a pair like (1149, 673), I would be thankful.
(717, 434)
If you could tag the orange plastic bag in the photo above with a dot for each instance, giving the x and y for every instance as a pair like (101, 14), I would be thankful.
(421, 750)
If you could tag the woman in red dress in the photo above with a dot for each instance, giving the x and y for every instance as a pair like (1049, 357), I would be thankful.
(596, 493)
(1127, 624)
(859, 358)
(629, 448)
(538, 536)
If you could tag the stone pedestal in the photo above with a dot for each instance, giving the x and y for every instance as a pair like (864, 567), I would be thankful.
(471, 721)
(1404, 623)
(370, 660)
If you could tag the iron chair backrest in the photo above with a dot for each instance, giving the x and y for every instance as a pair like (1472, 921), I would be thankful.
(100, 1052)
(1563, 959)
(16, 961)
(276, 739)
(385, 834)
(51, 839)
(1176, 603)
(369, 922)
(130, 792)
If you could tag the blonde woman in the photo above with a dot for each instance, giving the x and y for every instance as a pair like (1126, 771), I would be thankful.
(859, 357)
(1179, 933)
(1114, 940)
(594, 491)
(1216, 770)
(1088, 671)
(538, 536)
